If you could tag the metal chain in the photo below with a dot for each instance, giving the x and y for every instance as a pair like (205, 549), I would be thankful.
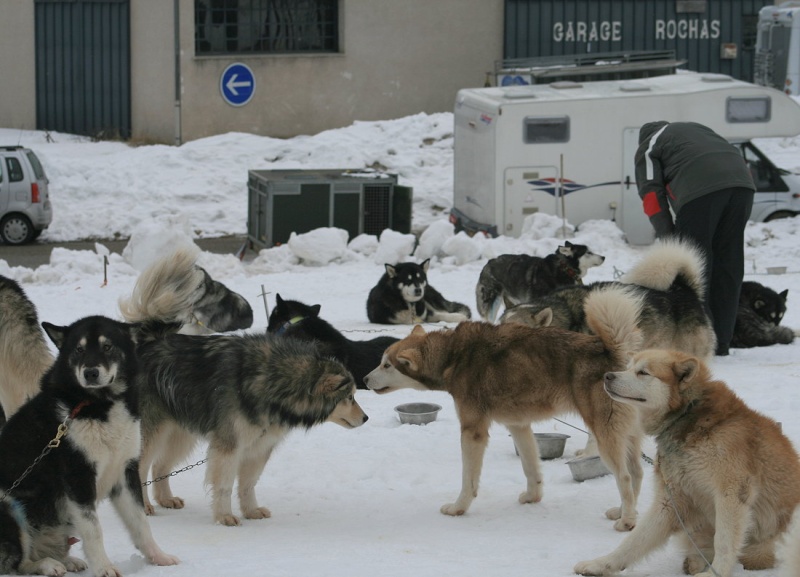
(173, 473)
(52, 444)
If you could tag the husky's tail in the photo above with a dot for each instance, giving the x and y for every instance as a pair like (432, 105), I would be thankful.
(665, 262)
(166, 291)
(612, 313)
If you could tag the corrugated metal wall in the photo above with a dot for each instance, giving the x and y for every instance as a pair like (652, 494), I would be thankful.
(83, 67)
(696, 29)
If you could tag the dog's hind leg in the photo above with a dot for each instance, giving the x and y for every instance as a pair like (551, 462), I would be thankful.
(250, 469)
(615, 451)
(529, 455)
(220, 475)
(176, 446)
(474, 439)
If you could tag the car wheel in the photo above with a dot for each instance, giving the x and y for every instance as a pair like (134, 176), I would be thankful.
(780, 214)
(16, 229)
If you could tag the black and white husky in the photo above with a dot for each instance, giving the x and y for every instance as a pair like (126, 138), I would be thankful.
(404, 297)
(513, 279)
(91, 390)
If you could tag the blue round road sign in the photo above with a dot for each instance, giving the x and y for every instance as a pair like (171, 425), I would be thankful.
(237, 84)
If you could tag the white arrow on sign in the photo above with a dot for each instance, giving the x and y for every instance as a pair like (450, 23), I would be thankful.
(232, 85)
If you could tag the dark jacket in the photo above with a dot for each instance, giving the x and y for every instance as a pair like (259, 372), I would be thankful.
(681, 161)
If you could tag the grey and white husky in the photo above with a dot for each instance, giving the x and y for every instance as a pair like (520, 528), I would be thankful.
(241, 393)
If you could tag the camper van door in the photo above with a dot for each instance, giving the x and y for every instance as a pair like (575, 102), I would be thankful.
(631, 218)
(528, 190)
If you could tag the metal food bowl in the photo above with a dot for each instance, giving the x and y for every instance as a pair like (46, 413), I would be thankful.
(776, 269)
(417, 413)
(551, 445)
(584, 468)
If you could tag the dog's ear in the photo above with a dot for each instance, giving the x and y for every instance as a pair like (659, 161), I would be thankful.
(425, 264)
(390, 270)
(544, 318)
(758, 304)
(418, 330)
(784, 294)
(686, 369)
(278, 300)
(409, 358)
(315, 310)
(330, 383)
(565, 250)
(57, 334)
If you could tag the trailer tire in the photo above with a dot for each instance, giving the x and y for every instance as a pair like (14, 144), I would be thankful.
(780, 214)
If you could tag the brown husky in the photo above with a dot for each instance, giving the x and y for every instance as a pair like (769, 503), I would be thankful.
(516, 375)
(723, 471)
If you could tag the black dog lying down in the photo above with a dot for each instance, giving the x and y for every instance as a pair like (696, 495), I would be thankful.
(758, 319)
(301, 321)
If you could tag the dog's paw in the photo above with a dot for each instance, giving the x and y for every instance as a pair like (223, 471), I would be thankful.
(614, 513)
(531, 496)
(453, 509)
(694, 564)
(47, 566)
(229, 520)
(163, 559)
(171, 503)
(599, 566)
(624, 524)
(75, 565)
(258, 513)
(149, 510)
(108, 571)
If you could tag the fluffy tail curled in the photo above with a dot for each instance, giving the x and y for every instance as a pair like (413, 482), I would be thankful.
(667, 260)
(612, 313)
(166, 291)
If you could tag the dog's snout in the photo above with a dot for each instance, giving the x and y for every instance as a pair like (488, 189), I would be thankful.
(609, 377)
(91, 374)
(365, 419)
(417, 292)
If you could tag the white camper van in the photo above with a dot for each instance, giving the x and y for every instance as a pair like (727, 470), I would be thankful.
(513, 144)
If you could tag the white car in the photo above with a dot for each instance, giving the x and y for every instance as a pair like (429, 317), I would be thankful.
(25, 208)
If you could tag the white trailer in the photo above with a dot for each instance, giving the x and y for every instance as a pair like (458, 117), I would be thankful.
(512, 145)
(777, 57)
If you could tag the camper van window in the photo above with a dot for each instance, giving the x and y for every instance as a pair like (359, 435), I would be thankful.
(545, 129)
(748, 109)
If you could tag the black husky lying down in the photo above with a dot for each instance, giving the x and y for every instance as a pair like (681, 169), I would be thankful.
(758, 318)
(301, 321)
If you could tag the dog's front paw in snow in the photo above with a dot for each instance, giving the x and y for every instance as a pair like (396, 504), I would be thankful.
(599, 566)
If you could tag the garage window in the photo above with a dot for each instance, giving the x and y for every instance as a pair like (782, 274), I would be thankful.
(266, 26)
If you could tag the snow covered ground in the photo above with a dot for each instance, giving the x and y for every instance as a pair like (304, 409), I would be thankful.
(363, 502)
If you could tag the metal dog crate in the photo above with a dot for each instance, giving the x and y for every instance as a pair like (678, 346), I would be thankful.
(281, 202)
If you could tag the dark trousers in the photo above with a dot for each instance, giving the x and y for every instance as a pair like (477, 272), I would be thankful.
(716, 222)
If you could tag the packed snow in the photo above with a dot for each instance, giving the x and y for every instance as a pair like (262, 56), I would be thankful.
(363, 502)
